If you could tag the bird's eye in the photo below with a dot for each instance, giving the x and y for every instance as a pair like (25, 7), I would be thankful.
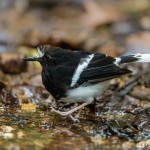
(47, 56)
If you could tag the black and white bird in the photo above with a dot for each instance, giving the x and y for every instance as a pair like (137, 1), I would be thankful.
(78, 76)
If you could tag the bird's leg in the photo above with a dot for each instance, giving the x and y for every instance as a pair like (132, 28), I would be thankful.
(78, 114)
(92, 106)
(70, 111)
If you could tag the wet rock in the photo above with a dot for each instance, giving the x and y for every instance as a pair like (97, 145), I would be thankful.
(6, 132)
(141, 93)
(8, 98)
(12, 63)
(143, 144)
(7, 129)
(8, 135)
(141, 121)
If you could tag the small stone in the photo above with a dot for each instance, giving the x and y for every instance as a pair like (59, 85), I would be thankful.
(98, 140)
(20, 135)
(28, 107)
(7, 129)
(8, 135)
(143, 144)
(128, 145)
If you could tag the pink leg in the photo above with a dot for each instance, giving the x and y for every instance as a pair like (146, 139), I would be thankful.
(70, 111)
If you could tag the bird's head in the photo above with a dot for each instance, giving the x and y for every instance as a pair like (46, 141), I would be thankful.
(43, 51)
(46, 53)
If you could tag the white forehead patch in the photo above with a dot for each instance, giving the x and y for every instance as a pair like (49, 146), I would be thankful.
(41, 54)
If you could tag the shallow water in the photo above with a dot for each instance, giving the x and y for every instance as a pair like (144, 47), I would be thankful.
(46, 130)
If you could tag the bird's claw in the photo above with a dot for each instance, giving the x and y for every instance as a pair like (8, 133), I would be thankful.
(74, 119)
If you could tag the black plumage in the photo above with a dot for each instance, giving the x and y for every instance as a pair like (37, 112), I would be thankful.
(59, 65)
(101, 68)
(68, 74)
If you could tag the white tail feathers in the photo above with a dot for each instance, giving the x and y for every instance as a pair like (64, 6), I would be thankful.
(143, 57)
(132, 58)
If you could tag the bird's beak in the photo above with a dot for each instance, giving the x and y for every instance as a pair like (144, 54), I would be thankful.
(33, 59)
(36, 58)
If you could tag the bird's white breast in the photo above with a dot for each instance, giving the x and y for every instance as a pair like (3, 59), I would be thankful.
(86, 93)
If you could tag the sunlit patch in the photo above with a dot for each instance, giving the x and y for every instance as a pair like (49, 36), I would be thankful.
(28, 107)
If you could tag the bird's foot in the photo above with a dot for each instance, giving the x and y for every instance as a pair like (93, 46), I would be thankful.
(60, 112)
(70, 111)
(74, 119)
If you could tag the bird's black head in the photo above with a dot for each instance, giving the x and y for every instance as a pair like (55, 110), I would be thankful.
(47, 54)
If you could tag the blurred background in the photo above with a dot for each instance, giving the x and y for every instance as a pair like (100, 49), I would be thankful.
(108, 26)
(114, 27)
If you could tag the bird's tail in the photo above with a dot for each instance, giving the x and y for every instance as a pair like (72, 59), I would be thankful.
(133, 58)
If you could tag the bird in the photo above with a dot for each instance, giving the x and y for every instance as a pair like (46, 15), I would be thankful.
(79, 76)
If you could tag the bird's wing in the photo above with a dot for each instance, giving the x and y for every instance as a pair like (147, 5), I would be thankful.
(100, 68)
